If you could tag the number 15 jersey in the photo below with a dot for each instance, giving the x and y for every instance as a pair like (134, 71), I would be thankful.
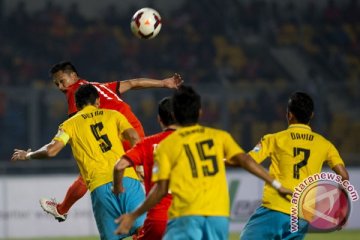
(192, 159)
(296, 153)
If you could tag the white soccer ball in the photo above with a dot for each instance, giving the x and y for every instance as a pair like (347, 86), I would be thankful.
(146, 23)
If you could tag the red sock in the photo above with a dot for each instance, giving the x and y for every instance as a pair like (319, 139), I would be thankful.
(76, 191)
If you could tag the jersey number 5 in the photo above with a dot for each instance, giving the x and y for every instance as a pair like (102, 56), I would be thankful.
(203, 157)
(302, 163)
(105, 145)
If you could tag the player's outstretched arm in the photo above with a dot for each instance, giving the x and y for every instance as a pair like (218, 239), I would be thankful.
(249, 164)
(119, 169)
(158, 191)
(140, 83)
(339, 169)
(47, 151)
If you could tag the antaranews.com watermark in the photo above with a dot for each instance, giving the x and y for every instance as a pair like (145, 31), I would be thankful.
(323, 200)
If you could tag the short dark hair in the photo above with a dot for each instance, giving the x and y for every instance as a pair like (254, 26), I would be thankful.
(186, 105)
(165, 111)
(301, 106)
(85, 95)
(65, 66)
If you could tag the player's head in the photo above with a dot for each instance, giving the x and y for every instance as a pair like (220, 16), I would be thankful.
(165, 112)
(300, 108)
(63, 75)
(186, 105)
(86, 95)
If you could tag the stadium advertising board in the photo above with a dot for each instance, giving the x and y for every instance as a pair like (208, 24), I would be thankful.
(21, 215)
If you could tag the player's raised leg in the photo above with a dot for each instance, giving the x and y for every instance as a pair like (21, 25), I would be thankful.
(59, 210)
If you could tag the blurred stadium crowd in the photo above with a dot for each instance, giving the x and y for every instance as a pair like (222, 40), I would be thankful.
(223, 48)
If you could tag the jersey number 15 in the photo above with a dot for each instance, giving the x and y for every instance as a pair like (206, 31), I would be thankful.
(203, 157)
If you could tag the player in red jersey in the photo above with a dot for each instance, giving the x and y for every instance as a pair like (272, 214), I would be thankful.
(67, 80)
(142, 154)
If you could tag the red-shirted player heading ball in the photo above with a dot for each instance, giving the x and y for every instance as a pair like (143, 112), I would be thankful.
(146, 23)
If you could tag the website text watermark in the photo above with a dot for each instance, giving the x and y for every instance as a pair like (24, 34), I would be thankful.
(323, 200)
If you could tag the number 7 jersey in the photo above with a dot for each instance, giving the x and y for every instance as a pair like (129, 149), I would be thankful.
(192, 159)
(296, 153)
(94, 136)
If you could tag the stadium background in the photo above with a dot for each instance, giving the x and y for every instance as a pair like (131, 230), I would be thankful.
(244, 57)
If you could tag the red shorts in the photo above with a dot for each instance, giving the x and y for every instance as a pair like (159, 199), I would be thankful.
(152, 229)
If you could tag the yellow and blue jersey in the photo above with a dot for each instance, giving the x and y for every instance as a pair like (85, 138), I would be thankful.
(95, 138)
(296, 153)
(192, 159)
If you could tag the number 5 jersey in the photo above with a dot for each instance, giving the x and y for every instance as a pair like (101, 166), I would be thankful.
(110, 99)
(94, 136)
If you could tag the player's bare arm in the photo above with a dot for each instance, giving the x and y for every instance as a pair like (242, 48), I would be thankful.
(158, 191)
(249, 164)
(341, 170)
(139, 83)
(131, 135)
(119, 169)
(47, 151)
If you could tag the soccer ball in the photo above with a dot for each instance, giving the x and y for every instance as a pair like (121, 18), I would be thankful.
(146, 23)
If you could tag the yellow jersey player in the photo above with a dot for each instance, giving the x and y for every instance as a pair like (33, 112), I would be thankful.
(66, 78)
(190, 163)
(95, 137)
(296, 153)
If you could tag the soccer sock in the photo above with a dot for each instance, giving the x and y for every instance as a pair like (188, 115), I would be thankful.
(76, 191)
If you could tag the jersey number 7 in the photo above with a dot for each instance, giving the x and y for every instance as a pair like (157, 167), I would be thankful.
(302, 163)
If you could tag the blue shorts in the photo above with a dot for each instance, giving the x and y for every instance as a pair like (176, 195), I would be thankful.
(197, 227)
(107, 207)
(269, 224)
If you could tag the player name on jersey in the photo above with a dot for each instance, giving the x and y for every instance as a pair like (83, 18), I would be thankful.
(303, 136)
(93, 114)
(192, 131)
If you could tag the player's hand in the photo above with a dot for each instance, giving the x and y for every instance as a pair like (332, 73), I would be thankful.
(125, 222)
(117, 189)
(285, 192)
(173, 82)
(19, 155)
(139, 169)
